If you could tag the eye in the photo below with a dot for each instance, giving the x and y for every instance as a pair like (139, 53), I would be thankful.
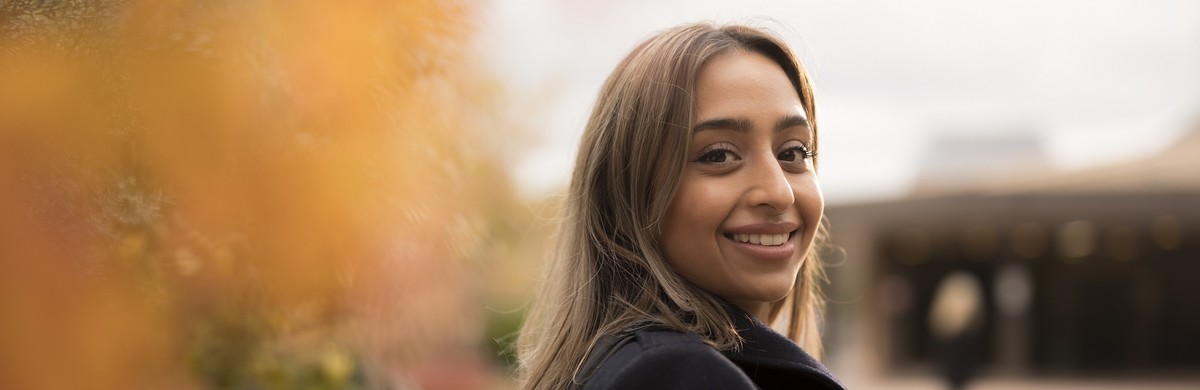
(795, 154)
(717, 156)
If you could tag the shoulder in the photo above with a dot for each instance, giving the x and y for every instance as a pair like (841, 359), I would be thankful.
(776, 362)
(665, 359)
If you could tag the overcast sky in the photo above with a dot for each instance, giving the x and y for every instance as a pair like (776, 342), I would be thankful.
(1098, 82)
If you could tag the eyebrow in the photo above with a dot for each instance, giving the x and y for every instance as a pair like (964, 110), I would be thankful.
(743, 125)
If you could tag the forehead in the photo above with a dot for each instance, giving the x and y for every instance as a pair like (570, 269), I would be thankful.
(744, 82)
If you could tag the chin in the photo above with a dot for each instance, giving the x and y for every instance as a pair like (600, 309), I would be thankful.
(770, 295)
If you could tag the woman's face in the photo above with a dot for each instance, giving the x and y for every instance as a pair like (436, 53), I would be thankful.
(748, 203)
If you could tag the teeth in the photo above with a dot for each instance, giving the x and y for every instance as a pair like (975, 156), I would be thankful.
(762, 239)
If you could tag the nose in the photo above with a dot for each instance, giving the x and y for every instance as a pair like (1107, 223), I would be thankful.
(769, 187)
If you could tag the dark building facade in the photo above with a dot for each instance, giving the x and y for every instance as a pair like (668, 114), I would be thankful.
(1093, 273)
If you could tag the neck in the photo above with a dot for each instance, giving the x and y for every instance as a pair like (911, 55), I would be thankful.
(758, 310)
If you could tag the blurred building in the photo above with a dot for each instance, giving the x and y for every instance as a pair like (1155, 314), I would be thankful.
(1088, 273)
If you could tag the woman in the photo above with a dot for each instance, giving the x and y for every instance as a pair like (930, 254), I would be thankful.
(691, 213)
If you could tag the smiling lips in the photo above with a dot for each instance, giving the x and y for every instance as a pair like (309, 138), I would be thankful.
(765, 235)
(767, 241)
(762, 239)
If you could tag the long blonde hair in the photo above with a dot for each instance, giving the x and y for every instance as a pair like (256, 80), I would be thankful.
(609, 273)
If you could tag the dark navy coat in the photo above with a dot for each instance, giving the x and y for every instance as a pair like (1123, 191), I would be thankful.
(658, 358)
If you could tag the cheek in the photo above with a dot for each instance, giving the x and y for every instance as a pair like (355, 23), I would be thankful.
(696, 213)
(809, 199)
(701, 203)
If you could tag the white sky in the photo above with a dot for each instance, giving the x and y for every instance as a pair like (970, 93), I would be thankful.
(1099, 82)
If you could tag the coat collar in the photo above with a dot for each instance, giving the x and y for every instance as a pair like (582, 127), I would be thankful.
(765, 349)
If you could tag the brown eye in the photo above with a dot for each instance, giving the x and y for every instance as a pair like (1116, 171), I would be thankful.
(718, 156)
(795, 154)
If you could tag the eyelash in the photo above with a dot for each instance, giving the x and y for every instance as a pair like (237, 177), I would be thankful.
(802, 150)
(716, 151)
(721, 150)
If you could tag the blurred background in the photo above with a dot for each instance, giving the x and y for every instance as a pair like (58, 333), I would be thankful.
(261, 194)
(1047, 151)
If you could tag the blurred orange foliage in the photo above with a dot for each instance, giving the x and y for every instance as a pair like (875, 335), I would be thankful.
(222, 193)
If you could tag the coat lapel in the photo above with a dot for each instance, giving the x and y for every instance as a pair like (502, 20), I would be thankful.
(771, 359)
